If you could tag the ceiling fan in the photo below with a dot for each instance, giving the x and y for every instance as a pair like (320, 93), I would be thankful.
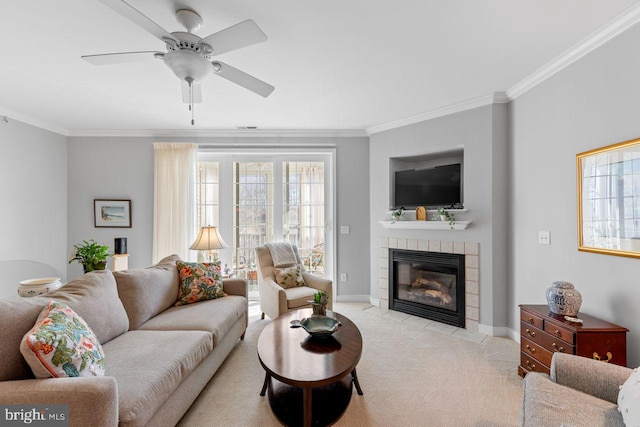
(188, 55)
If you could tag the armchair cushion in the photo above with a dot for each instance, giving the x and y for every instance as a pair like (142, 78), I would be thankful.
(289, 277)
(299, 297)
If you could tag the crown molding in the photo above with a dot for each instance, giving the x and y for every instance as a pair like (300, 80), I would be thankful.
(10, 115)
(617, 25)
(219, 133)
(481, 101)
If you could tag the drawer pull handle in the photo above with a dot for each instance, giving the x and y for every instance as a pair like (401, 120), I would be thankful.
(530, 366)
(557, 333)
(596, 356)
(556, 348)
(531, 349)
(531, 320)
(531, 333)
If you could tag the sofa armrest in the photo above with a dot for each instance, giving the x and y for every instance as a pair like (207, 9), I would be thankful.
(236, 286)
(593, 377)
(321, 284)
(92, 400)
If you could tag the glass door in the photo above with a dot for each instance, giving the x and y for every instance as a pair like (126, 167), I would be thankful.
(268, 199)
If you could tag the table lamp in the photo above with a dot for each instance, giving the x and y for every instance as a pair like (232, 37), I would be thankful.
(209, 241)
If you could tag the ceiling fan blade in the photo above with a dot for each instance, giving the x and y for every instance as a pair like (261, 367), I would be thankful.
(117, 58)
(133, 14)
(197, 93)
(242, 79)
(240, 35)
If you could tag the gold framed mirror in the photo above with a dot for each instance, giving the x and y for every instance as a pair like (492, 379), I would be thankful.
(609, 199)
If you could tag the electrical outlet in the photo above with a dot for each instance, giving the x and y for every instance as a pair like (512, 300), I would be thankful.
(343, 277)
(344, 229)
(544, 237)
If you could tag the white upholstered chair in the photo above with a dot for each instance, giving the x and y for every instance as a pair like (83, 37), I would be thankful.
(274, 299)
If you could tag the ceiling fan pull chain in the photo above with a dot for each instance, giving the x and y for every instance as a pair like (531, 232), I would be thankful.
(191, 107)
(191, 102)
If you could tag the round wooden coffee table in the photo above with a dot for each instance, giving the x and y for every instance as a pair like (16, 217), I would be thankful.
(309, 380)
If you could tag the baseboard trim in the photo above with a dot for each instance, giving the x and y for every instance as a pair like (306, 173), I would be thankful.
(514, 335)
(352, 298)
(374, 301)
(500, 331)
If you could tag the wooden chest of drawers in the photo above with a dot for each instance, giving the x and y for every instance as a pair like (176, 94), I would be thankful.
(542, 333)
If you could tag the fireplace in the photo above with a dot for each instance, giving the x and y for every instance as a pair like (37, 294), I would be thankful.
(428, 284)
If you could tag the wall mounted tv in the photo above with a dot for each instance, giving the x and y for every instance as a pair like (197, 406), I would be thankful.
(437, 186)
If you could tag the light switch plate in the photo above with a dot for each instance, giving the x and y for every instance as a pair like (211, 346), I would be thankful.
(544, 237)
(344, 229)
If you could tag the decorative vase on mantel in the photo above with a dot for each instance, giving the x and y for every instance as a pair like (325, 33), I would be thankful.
(564, 299)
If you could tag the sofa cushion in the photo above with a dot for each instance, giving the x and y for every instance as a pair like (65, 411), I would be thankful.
(216, 316)
(94, 296)
(546, 403)
(146, 292)
(199, 282)
(62, 345)
(299, 297)
(17, 317)
(149, 366)
(289, 277)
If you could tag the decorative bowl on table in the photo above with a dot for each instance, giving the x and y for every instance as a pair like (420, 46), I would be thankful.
(320, 326)
(40, 286)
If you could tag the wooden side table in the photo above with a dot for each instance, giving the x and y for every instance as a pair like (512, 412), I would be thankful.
(120, 262)
(542, 333)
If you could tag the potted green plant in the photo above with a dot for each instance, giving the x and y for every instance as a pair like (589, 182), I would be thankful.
(320, 300)
(91, 255)
(397, 214)
(447, 216)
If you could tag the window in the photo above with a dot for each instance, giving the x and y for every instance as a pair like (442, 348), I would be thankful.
(259, 199)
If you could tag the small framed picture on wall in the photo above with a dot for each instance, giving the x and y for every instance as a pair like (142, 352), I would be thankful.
(112, 213)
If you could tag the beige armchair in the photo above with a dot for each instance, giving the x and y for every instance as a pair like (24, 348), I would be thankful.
(579, 392)
(274, 299)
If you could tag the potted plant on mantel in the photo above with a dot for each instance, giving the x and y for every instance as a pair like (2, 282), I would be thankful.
(91, 255)
(447, 216)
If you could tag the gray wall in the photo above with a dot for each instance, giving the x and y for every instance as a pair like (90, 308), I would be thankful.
(111, 168)
(33, 190)
(482, 133)
(122, 168)
(590, 104)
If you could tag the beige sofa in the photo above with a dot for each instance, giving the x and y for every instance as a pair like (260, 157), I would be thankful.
(158, 357)
(579, 392)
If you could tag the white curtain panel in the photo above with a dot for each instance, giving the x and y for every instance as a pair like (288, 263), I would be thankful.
(174, 180)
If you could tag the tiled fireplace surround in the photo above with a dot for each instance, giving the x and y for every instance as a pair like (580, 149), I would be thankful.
(471, 250)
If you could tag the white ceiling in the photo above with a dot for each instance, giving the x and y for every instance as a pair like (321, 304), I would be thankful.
(336, 64)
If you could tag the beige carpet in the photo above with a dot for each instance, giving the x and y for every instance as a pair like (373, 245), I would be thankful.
(413, 372)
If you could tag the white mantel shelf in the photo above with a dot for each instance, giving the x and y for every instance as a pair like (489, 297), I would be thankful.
(425, 225)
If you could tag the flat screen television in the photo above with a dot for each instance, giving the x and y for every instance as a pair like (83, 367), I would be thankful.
(437, 186)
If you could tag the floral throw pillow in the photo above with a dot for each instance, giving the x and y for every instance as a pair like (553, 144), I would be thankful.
(61, 344)
(289, 277)
(199, 282)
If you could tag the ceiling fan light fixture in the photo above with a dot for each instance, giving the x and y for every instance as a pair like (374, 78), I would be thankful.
(186, 64)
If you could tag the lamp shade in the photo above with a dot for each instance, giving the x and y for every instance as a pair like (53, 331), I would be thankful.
(208, 238)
